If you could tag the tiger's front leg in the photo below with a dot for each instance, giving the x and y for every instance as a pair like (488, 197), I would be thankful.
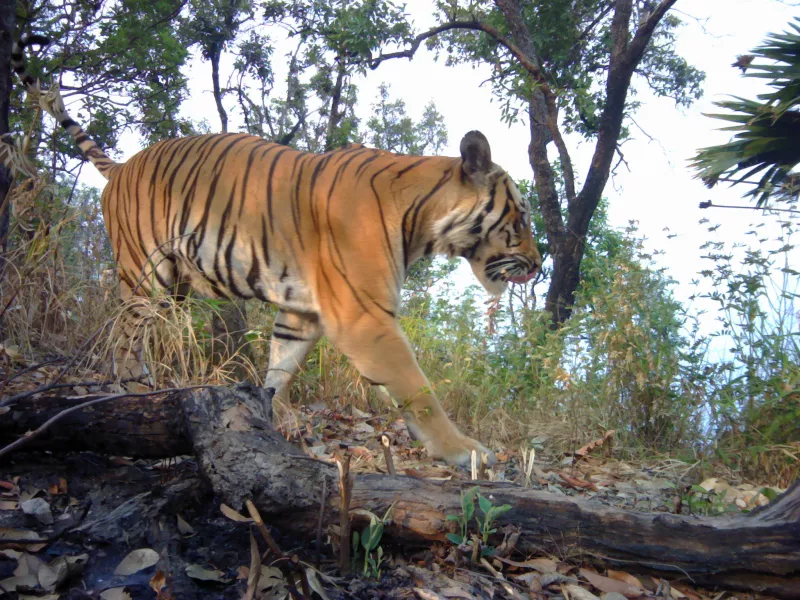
(381, 353)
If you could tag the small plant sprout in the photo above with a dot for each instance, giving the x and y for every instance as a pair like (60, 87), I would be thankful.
(485, 524)
(369, 541)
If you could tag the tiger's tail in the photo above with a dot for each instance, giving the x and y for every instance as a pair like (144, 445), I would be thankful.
(53, 104)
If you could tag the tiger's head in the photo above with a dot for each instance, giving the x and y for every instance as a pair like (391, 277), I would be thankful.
(491, 225)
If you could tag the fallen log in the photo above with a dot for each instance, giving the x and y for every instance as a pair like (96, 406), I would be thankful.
(242, 457)
(143, 427)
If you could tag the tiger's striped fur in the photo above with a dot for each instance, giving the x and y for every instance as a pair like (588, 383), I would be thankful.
(327, 237)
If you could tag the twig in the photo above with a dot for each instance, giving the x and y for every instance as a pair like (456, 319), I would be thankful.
(473, 25)
(255, 569)
(483, 466)
(387, 454)
(60, 386)
(345, 492)
(621, 160)
(322, 502)
(15, 445)
(501, 580)
(281, 560)
(259, 522)
(298, 568)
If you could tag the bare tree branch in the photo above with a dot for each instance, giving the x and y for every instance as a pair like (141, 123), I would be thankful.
(474, 25)
(645, 31)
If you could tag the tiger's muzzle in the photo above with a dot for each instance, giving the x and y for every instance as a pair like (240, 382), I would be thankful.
(514, 268)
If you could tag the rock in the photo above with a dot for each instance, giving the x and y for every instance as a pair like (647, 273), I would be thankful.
(39, 509)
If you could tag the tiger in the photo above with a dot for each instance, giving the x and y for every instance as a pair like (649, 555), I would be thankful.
(327, 238)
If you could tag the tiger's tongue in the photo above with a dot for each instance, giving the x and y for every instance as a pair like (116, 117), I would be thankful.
(522, 278)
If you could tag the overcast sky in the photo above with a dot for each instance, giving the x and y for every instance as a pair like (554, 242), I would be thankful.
(658, 192)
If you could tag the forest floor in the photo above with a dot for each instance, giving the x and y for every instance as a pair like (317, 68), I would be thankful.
(85, 525)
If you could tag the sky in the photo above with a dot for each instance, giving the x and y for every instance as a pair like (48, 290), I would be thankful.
(660, 193)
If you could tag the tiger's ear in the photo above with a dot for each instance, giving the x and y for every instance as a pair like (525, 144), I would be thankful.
(477, 156)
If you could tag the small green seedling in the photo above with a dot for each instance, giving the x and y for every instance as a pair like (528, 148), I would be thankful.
(370, 540)
(485, 524)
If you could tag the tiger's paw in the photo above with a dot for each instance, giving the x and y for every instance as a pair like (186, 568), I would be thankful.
(458, 451)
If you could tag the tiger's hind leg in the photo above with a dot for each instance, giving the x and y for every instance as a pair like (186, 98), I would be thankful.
(293, 337)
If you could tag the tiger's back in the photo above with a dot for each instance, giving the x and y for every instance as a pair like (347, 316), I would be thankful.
(233, 215)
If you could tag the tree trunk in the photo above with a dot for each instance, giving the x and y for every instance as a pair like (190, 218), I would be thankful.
(243, 457)
(336, 112)
(214, 54)
(7, 22)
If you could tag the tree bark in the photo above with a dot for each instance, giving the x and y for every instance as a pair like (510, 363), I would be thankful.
(242, 457)
(336, 112)
(214, 55)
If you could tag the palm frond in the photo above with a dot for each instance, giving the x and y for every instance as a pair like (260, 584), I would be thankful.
(767, 130)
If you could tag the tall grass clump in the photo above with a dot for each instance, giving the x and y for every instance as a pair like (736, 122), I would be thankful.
(55, 282)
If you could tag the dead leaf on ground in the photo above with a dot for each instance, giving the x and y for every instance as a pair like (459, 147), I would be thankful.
(27, 564)
(594, 445)
(136, 561)
(233, 515)
(53, 574)
(117, 593)
(543, 565)
(204, 574)
(686, 591)
(578, 484)
(183, 527)
(607, 584)
(576, 592)
(8, 533)
(271, 579)
(625, 577)
(157, 582)
(12, 583)
(314, 582)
